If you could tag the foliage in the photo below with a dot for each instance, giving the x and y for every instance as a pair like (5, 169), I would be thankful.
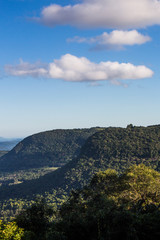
(116, 148)
(35, 220)
(107, 208)
(12, 207)
(112, 206)
(52, 148)
(10, 231)
(11, 178)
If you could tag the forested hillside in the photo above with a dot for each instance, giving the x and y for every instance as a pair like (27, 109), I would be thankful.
(116, 148)
(112, 206)
(52, 148)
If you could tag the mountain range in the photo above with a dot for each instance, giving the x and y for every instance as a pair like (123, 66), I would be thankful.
(116, 148)
(51, 148)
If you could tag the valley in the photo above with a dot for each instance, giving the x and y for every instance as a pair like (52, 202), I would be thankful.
(90, 151)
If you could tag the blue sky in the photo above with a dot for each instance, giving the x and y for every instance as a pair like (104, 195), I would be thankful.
(77, 64)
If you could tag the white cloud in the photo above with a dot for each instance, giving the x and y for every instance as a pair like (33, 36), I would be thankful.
(27, 69)
(123, 14)
(115, 39)
(73, 69)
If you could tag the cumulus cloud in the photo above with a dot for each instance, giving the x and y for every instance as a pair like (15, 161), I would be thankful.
(123, 14)
(74, 69)
(116, 39)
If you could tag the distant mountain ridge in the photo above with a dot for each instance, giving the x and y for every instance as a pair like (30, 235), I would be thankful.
(3, 139)
(6, 144)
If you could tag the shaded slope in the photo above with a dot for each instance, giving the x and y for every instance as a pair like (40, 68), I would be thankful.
(52, 148)
(116, 148)
(2, 153)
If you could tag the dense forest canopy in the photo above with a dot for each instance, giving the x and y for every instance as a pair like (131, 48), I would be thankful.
(51, 148)
(114, 148)
(112, 206)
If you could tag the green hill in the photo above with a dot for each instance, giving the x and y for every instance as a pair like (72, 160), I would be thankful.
(116, 148)
(51, 148)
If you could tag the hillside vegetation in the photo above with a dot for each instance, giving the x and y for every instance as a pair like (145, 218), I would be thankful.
(52, 149)
(112, 206)
(116, 148)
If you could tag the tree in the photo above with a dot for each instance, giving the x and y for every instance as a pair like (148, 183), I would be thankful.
(35, 220)
(141, 184)
(113, 207)
(10, 231)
